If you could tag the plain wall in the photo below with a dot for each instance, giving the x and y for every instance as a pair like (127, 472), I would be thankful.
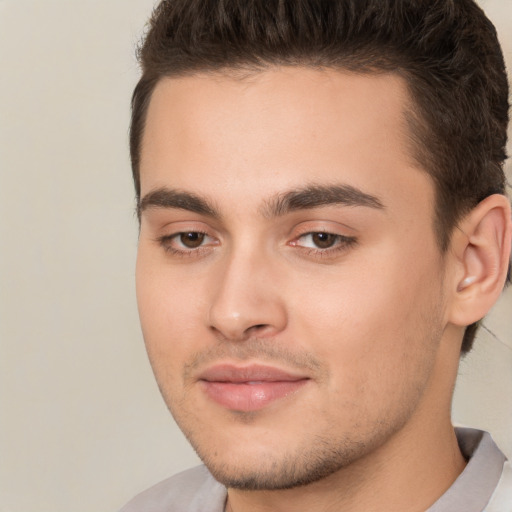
(82, 425)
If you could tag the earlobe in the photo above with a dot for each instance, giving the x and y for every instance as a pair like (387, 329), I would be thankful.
(481, 247)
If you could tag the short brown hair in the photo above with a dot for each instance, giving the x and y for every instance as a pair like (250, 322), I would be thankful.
(446, 50)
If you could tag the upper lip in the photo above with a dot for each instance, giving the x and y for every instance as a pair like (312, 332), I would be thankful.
(250, 373)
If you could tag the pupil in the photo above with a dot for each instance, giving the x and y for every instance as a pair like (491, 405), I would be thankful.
(324, 240)
(192, 240)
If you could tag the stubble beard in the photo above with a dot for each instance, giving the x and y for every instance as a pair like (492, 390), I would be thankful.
(313, 456)
(287, 471)
(311, 459)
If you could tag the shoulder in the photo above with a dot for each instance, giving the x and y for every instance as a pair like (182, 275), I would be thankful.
(193, 490)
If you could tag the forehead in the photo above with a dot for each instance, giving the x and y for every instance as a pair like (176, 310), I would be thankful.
(279, 129)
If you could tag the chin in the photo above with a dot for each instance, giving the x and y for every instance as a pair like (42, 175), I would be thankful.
(270, 470)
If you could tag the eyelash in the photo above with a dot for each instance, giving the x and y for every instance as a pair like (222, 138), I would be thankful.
(341, 244)
(166, 240)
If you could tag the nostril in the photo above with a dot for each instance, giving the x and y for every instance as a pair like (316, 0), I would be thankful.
(258, 329)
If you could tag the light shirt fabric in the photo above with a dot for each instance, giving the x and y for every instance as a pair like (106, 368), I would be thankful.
(485, 485)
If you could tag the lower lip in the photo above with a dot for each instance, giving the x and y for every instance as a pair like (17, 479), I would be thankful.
(247, 397)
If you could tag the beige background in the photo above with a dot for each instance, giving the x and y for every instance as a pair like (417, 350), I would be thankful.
(82, 426)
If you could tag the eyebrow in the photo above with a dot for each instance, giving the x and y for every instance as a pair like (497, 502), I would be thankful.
(309, 197)
(170, 198)
(317, 196)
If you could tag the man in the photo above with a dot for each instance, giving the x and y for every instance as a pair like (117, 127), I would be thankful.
(323, 224)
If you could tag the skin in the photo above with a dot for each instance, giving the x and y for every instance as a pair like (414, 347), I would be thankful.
(366, 320)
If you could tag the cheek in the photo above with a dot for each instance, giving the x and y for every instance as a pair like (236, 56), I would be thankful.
(169, 306)
(373, 325)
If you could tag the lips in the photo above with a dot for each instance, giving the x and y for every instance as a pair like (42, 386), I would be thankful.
(249, 388)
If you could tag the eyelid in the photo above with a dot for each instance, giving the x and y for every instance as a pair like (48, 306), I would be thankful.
(343, 238)
(177, 235)
(322, 226)
(168, 241)
(342, 243)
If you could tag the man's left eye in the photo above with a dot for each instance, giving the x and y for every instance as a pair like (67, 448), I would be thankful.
(322, 240)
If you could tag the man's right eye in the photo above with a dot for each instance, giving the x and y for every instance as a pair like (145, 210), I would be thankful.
(192, 239)
(186, 242)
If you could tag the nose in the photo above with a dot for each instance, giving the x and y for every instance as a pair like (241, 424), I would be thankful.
(247, 300)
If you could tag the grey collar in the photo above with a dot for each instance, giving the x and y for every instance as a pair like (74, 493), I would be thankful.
(474, 487)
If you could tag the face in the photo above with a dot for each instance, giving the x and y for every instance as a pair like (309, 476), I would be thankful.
(288, 278)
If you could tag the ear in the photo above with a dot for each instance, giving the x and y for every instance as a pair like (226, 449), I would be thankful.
(481, 254)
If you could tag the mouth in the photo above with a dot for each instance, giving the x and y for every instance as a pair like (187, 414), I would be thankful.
(249, 388)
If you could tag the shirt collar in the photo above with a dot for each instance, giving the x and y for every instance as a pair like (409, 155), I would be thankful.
(475, 485)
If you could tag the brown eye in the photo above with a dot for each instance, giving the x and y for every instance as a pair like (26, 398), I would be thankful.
(325, 243)
(192, 240)
(324, 240)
